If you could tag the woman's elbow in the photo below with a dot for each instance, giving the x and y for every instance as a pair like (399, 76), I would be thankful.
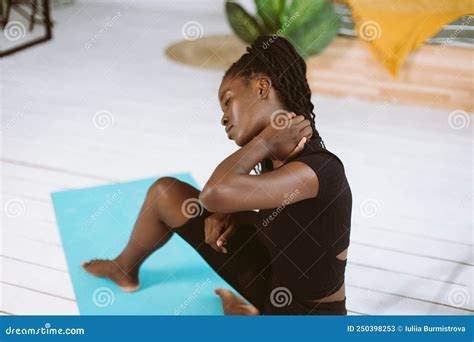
(217, 198)
(210, 198)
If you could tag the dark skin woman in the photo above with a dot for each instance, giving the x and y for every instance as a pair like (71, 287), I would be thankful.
(267, 111)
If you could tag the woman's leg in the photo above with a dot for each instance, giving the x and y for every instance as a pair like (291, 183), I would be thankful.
(160, 211)
(244, 267)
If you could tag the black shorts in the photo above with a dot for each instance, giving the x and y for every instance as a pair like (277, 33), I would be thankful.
(247, 268)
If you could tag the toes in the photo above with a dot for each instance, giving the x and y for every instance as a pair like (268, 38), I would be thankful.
(252, 310)
(226, 295)
(86, 264)
(221, 292)
(130, 288)
(91, 262)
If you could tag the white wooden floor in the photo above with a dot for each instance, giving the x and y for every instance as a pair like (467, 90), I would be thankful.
(410, 170)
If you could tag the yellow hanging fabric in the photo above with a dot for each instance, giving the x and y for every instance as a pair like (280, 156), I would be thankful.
(393, 28)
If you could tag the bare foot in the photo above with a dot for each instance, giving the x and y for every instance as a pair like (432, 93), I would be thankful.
(235, 305)
(110, 269)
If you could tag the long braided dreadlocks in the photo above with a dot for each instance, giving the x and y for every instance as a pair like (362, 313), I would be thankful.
(275, 57)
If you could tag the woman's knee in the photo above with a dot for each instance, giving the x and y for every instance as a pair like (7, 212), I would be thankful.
(162, 188)
(168, 196)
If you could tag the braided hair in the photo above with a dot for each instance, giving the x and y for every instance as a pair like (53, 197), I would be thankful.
(276, 57)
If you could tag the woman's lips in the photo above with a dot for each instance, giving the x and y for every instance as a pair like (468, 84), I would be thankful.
(228, 129)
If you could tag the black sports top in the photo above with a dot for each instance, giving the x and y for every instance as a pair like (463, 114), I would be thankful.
(304, 237)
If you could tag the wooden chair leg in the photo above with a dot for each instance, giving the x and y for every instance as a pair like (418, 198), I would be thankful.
(34, 8)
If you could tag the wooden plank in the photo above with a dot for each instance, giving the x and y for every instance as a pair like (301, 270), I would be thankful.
(34, 229)
(413, 245)
(423, 267)
(427, 290)
(45, 280)
(379, 303)
(404, 224)
(34, 252)
(27, 210)
(22, 301)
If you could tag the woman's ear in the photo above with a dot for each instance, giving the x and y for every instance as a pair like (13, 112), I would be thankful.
(264, 85)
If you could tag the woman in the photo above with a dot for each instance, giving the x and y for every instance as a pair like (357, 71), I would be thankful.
(290, 256)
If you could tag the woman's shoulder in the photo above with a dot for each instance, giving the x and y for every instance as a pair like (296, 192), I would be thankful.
(314, 151)
(328, 168)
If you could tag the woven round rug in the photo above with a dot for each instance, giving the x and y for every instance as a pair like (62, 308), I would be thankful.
(216, 52)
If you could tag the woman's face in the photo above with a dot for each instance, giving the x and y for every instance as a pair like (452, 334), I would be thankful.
(247, 106)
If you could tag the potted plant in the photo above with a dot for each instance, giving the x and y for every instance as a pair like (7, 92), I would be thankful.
(309, 24)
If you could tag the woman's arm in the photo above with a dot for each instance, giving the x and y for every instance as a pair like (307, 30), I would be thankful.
(232, 189)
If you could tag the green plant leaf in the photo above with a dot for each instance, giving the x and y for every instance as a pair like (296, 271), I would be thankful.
(270, 12)
(303, 11)
(244, 25)
(312, 37)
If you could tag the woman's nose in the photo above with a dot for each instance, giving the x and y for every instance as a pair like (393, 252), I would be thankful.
(224, 121)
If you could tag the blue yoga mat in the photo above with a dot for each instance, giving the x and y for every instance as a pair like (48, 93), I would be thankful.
(95, 223)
